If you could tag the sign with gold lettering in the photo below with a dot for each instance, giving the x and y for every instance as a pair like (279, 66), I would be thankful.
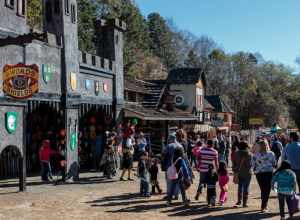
(20, 81)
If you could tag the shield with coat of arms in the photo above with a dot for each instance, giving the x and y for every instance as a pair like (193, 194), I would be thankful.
(73, 80)
(97, 88)
(11, 122)
(48, 71)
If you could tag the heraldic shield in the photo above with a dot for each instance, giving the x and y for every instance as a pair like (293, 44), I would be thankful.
(73, 79)
(97, 87)
(11, 122)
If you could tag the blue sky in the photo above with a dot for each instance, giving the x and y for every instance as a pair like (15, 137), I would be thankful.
(270, 27)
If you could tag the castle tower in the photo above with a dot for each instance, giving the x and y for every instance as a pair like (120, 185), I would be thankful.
(13, 17)
(60, 19)
(111, 45)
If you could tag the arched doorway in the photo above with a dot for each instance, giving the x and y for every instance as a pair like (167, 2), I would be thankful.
(10, 162)
(94, 121)
(45, 120)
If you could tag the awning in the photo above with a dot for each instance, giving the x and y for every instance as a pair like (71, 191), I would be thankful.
(150, 114)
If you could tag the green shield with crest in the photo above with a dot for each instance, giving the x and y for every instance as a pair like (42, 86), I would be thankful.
(47, 71)
(11, 121)
(73, 141)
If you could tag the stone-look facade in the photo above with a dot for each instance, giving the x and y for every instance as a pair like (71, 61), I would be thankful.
(60, 50)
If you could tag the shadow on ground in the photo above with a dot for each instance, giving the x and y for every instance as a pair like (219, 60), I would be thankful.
(81, 181)
(135, 204)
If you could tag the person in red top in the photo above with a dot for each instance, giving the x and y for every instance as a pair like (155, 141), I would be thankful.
(45, 154)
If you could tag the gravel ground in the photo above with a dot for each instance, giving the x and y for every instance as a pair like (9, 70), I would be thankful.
(96, 198)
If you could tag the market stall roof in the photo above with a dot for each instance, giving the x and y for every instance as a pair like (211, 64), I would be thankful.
(138, 111)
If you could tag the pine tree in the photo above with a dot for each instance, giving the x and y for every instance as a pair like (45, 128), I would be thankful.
(192, 60)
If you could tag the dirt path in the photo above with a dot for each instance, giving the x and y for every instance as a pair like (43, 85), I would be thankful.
(97, 198)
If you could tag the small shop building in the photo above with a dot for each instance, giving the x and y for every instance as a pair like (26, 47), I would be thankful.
(177, 102)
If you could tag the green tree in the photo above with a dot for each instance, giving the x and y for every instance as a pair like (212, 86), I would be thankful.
(162, 44)
(192, 60)
(34, 14)
(86, 28)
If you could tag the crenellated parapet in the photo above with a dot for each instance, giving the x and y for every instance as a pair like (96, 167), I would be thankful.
(101, 63)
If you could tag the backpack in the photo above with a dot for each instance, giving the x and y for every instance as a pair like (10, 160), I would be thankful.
(172, 172)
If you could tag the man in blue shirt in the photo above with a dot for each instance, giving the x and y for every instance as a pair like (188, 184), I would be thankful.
(167, 160)
(292, 154)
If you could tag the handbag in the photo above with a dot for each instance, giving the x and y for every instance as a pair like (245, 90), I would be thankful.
(236, 175)
(294, 204)
(172, 172)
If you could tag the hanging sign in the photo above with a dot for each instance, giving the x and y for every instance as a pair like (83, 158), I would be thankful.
(256, 121)
(97, 87)
(73, 79)
(20, 81)
(73, 141)
(105, 87)
(47, 72)
(11, 121)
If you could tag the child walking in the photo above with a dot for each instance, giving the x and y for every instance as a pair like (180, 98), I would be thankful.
(223, 182)
(153, 176)
(143, 174)
(284, 182)
(211, 181)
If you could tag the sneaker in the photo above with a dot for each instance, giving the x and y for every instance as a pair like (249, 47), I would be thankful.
(265, 210)
(121, 179)
(130, 179)
(245, 206)
(175, 198)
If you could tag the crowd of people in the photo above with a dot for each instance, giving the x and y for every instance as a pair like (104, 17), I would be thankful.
(275, 166)
(273, 161)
